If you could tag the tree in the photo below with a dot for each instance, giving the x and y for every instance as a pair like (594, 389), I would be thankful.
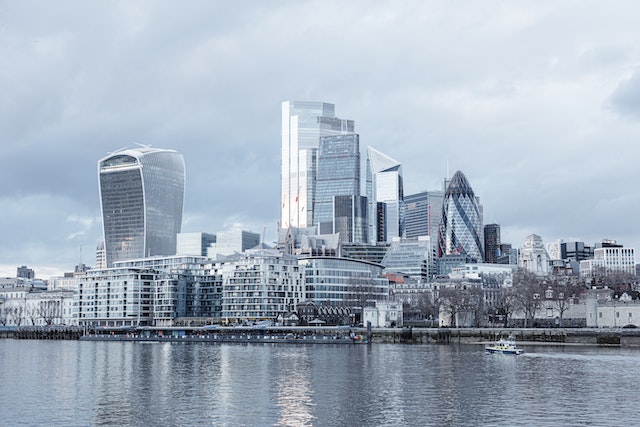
(461, 300)
(526, 293)
(49, 311)
(564, 289)
(16, 314)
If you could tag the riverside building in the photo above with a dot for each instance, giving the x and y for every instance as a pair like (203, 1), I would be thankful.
(141, 199)
(343, 282)
(261, 284)
(153, 291)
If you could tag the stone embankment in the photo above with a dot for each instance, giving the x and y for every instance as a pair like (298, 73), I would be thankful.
(524, 336)
(537, 336)
(42, 333)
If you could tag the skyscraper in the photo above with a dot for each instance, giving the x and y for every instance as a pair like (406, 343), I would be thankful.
(461, 224)
(423, 213)
(303, 123)
(350, 218)
(141, 198)
(385, 197)
(338, 174)
(491, 243)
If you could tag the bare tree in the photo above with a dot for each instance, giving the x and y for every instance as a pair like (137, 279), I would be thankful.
(526, 293)
(16, 314)
(465, 299)
(32, 313)
(564, 289)
(49, 311)
(4, 316)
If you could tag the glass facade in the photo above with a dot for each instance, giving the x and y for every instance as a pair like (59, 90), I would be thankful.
(413, 257)
(461, 224)
(350, 218)
(141, 197)
(303, 123)
(384, 185)
(338, 174)
(343, 282)
(423, 213)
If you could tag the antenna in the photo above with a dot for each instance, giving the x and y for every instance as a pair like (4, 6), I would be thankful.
(447, 168)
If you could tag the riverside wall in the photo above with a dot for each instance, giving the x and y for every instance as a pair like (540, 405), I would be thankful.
(524, 336)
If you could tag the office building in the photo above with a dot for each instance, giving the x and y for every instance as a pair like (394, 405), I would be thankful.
(411, 257)
(338, 174)
(141, 199)
(343, 282)
(422, 214)
(461, 224)
(384, 196)
(303, 123)
(491, 243)
(233, 241)
(194, 244)
(350, 218)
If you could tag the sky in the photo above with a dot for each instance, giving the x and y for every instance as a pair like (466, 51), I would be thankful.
(537, 103)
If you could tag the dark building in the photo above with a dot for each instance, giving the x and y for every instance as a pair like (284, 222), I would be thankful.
(491, 243)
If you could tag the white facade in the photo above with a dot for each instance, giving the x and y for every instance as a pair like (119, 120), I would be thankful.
(611, 259)
(260, 284)
(603, 311)
(26, 307)
(533, 256)
(383, 314)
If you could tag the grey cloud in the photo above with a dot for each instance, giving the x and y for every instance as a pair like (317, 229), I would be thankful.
(625, 99)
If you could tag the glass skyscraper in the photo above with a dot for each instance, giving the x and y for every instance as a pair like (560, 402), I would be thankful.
(141, 198)
(461, 224)
(303, 123)
(423, 213)
(338, 174)
(385, 197)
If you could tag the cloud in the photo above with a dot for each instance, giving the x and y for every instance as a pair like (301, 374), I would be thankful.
(625, 99)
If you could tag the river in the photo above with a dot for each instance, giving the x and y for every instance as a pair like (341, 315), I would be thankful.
(73, 383)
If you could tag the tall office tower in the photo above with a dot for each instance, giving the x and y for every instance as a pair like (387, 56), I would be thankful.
(350, 218)
(461, 224)
(422, 214)
(338, 174)
(491, 243)
(141, 197)
(303, 123)
(385, 197)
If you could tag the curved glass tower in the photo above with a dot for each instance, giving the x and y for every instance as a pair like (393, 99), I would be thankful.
(141, 198)
(461, 225)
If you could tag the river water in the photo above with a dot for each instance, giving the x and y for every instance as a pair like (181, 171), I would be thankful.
(73, 383)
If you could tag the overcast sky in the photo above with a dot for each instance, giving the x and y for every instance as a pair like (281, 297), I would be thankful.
(538, 103)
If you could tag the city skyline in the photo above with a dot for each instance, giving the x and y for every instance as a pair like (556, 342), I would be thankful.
(537, 104)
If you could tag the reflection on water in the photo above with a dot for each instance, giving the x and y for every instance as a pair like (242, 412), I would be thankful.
(102, 383)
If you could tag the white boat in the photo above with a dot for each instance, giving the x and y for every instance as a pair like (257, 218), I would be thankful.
(504, 346)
